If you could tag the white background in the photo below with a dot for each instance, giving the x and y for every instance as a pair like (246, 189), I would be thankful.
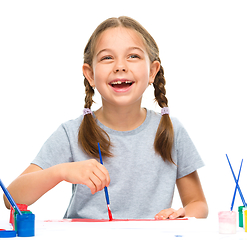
(204, 54)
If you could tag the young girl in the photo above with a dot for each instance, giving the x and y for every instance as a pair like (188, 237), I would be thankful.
(145, 153)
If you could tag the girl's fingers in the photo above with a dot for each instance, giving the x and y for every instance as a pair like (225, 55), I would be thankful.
(90, 173)
(91, 186)
(179, 213)
(103, 174)
(99, 177)
(98, 180)
(170, 213)
(164, 214)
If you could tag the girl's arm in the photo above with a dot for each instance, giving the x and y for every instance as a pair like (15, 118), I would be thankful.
(192, 197)
(35, 182)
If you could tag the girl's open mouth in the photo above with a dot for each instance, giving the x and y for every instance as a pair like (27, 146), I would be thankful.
(121, 84)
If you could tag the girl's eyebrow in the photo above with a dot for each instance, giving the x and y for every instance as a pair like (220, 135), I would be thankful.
(136, 48)
(110, 50)
(103, 50)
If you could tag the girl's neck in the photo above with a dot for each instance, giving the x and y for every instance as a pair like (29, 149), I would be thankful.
(121, 119)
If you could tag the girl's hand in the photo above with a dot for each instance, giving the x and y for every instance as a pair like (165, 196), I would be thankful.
(90, 173)
(170, 213)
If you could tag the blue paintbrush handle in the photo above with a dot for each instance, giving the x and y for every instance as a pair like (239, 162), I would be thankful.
(239, 190)
(9, 197)
(107, 196)
(234, 195)
(100, 156)
(105, 188)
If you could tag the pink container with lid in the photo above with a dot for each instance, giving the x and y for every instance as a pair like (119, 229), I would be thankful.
(227, 222)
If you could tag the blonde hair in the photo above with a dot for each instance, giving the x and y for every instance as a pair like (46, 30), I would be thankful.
(89, 132)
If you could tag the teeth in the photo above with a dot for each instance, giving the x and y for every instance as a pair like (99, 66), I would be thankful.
(119, 82)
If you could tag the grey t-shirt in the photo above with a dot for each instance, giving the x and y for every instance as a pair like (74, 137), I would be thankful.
(142, 184)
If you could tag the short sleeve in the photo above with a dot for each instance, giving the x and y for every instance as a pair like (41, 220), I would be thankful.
(55, 150)
(187, 157)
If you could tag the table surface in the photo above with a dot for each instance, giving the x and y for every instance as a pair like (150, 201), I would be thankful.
(167, 229)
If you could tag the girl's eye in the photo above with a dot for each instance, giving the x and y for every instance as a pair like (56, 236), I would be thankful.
(134, 56)
(106, 58)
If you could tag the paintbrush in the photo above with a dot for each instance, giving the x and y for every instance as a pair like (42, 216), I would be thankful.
(239, 190)
(9, 197)
(106, 190)
(234, 195)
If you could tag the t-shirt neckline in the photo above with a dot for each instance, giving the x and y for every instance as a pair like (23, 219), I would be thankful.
(131, 132)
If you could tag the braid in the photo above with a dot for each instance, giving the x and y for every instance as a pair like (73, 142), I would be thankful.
(89, 132)
(164, 136)
(89, 94)
(159, 88)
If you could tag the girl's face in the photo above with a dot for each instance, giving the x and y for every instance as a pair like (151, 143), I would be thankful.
(121, 68)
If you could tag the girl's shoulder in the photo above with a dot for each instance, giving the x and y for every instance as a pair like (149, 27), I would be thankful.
(156, 116)
(73, 123)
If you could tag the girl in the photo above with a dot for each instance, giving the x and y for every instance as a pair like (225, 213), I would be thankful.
(145, 153)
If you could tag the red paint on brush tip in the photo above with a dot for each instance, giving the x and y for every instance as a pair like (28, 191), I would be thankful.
(109, 213)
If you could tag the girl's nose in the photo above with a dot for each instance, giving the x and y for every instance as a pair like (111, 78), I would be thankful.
(120, 67)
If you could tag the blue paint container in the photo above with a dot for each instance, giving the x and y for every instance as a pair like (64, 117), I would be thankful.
(25, 224)
(7, 234)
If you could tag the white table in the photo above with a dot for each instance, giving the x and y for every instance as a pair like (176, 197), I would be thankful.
(173, 229)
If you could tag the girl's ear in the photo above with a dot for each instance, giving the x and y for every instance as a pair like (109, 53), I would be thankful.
(154, 69)
(88, 74)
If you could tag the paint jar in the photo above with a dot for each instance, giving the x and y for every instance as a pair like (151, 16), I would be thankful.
(245, 220)
(25, 224)
(7, 233)
(22, 207)
(240, 216)
(15, 214)
(227, 222)
(243, 209)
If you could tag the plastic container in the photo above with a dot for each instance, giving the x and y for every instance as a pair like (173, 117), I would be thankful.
(25, 224)
(243, 209)
(15, 214)
(245, 220)
(7, 233)
(22, 207)
(240, 216)
(227, 222)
